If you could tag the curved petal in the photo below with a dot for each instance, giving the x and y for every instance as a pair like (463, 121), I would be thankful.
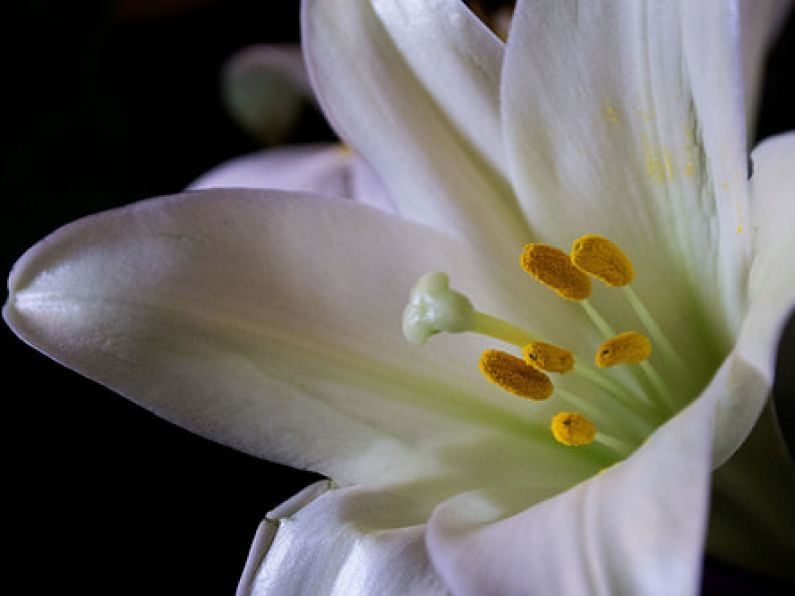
(431, 132)
(629, 118)
(271, 322)
(264, 87)
(267, 529)
(636, 528)
(343, 541)
(326, 170)
(771, 289)
(772, 279)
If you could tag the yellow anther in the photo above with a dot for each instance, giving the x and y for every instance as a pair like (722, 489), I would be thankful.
(548, 357)
(513, 375)
(572, 429)
(629, 347)
(603, 259)
(553, 268)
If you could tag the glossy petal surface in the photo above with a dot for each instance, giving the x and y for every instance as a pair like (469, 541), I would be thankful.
(270, 322)
(341, 541)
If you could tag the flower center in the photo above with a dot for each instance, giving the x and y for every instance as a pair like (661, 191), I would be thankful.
(640, 403)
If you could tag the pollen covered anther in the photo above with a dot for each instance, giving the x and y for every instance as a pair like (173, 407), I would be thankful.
(513, 375)
(572, 429)
(603, 259)
(548, 357)
(553, 268)
(629, 347)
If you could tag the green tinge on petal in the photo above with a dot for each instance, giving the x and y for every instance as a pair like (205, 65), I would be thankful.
(262, 320)
(634, 527)
(628, 117)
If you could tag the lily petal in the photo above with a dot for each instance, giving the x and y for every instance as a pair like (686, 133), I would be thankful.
(271, 322)
(772, 278)
(629, 117)
(771, 289)
(636, 528)
(325, 170)
(431, 133)
(341, 541)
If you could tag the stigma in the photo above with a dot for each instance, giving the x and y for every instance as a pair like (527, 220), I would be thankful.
(434, 307)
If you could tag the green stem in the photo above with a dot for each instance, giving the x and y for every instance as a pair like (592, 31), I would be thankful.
(500, 329)
(598, 320)
(658, 337)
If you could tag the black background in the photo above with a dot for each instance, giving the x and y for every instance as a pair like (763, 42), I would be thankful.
(108, 103)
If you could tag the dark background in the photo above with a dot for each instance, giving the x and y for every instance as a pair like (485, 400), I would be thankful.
(111, 103)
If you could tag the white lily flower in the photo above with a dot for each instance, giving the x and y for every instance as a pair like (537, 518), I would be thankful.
(270, 321)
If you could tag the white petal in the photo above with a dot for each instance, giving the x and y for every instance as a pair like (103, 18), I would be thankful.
(772, 278)
(264, 87)
(458, 61)
(739, 406)
(271, 322)
(637, 528)
(266, 531)
(627, 119)
(413, 86)
(343, 541)
(325, 170)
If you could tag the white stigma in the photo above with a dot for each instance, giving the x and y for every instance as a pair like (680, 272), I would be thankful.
(433, 308)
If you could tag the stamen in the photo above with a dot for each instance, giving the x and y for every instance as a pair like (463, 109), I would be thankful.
(629, 347)
(635, 423)
(572, 429)
(513, 375)
(603, 259)
(548, 357)
(639, 402)
(553, 268)
(653, 328)
(659, 385)
(622, 447)
(598, 320)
